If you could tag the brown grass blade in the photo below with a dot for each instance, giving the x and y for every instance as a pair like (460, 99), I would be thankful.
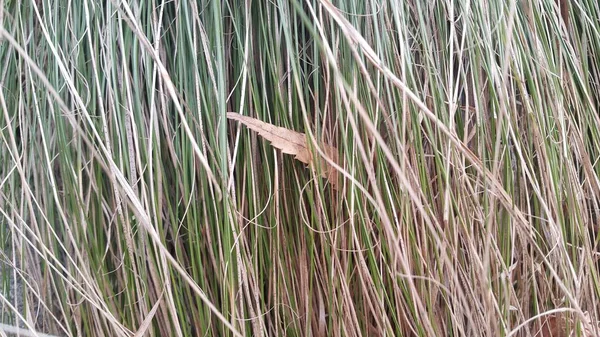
(294, 143)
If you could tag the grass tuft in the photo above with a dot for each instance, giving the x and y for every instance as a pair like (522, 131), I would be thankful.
(468, 195)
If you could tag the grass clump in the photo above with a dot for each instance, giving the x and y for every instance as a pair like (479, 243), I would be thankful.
(468, 135)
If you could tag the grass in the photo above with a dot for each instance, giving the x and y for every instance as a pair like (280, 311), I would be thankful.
(468, 133)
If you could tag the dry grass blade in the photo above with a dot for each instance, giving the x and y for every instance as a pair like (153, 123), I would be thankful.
(467, 134)
(148, 320)
(294, 143)
(9, 329)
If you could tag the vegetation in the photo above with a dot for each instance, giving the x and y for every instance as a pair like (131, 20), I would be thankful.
(468, 187)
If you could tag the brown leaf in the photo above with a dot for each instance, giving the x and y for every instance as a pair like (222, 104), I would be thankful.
(552, 326)
(294, 143)
(556, 325)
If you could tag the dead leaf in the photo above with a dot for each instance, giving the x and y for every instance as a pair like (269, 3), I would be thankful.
(294, 143)
(552, 326)
(556, 325)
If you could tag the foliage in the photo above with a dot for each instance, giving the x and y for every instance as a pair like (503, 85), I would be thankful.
(468, 187)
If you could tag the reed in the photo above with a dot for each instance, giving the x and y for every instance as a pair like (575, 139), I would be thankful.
(467, 193)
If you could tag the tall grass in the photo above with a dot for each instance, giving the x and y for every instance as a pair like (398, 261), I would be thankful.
(469, 136)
